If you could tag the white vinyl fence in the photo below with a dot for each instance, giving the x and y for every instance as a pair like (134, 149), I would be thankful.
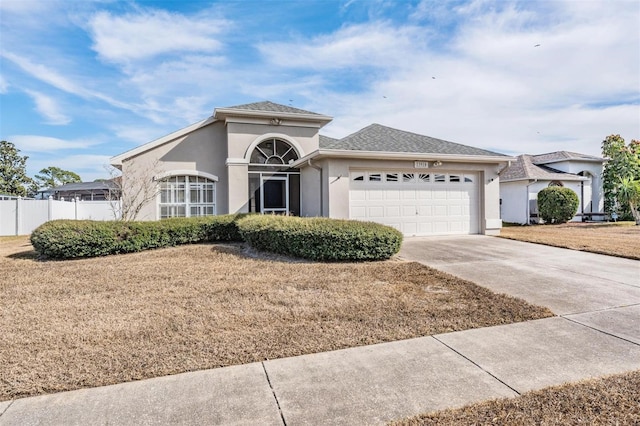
(20, 216)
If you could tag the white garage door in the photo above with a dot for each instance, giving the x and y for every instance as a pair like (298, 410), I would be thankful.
(416, 203)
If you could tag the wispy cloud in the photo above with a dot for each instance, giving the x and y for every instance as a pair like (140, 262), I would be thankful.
(371, 45)
(57, 80)
(147, 33)
(49, 108)
(35, 143)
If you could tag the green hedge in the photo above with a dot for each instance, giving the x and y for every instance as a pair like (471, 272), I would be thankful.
(310, 238)
(66, 239)
(321, 239)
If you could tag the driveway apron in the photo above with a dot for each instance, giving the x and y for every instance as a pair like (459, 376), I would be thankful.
(566, 281)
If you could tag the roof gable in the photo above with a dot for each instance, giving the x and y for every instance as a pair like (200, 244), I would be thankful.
(377, 137)
(557, 156)
(524, 169)
(268, 106)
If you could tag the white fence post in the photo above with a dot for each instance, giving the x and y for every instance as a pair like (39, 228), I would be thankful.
(50, 208)
(18, 215)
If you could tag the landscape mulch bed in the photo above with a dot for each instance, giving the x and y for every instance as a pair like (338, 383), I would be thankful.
(613, 400)
(82, 323)
(614, 239)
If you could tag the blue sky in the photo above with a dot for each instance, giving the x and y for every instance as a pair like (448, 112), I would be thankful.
(81, 81)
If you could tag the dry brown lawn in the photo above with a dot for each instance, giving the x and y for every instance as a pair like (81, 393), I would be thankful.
(613, 400)
(82, 323)
(614, 239)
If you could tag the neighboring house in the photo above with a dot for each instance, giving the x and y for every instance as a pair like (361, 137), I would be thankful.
(84, 191)
(525, 177)
(269, 158)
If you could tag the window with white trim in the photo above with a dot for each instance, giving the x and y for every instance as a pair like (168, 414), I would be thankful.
(187, 196)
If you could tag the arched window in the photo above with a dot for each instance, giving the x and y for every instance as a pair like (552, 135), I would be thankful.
(187, 196)
(273, 152)
(555, 183)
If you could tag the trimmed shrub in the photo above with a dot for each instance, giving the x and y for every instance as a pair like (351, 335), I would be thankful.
(557, 204)
(320, 239)
(66, 239)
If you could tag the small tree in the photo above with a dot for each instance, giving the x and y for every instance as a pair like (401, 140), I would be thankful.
(557, 204)
(622, 168)
(133, 192)
(54, 176)
(13, 175)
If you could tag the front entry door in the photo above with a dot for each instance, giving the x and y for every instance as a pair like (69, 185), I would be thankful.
(274, 195)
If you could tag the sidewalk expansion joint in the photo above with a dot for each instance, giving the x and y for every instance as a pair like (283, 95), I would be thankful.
(609, 308)
(601, 331)
(8, 406)
(479, 366)
(273, 391)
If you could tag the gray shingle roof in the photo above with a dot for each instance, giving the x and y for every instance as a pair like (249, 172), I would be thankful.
(381, 138)
(524, 169)
(86, 186)
(325, 141)
(554, 157)
(268, 106)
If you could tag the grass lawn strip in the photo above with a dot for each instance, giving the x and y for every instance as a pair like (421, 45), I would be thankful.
(82, 323)
(613, 400)
(614, 239)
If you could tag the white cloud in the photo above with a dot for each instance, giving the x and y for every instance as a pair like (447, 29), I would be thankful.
(57, 80)
(89, 167)
(149, 33)
(376, 44)
(35, 143)
(48, 108)
(492, 87)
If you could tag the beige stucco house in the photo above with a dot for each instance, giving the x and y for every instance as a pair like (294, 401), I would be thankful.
(270, 158)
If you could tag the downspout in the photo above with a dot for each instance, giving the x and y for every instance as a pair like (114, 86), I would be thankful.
(321, 185)
(528, 210)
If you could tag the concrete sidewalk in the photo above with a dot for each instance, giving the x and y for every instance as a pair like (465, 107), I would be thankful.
(597, 334)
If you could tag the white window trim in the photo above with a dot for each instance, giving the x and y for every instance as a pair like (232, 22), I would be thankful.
(187, 203)
(257, 141)
(196, 173)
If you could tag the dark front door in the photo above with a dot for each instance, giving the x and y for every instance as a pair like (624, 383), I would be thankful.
(274, 195)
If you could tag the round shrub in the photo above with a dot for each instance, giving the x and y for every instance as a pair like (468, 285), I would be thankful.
(557, 204)
(320, 239)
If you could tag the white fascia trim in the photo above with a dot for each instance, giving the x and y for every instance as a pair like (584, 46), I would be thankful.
(385, 155)
(185, 173)
(225, 112)
(118, 159)
(265, 122)
(233, 161)
(571, 179)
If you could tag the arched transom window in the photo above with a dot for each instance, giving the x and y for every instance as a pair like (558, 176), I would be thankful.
(187, 196)
(273, 152)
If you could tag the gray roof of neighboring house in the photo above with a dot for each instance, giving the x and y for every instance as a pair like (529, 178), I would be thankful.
(525, 169)
(381, 138)
(84, 186)
(268, 106)
(554, 157)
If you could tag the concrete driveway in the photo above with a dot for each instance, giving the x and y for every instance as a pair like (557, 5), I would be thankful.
(596, 290)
